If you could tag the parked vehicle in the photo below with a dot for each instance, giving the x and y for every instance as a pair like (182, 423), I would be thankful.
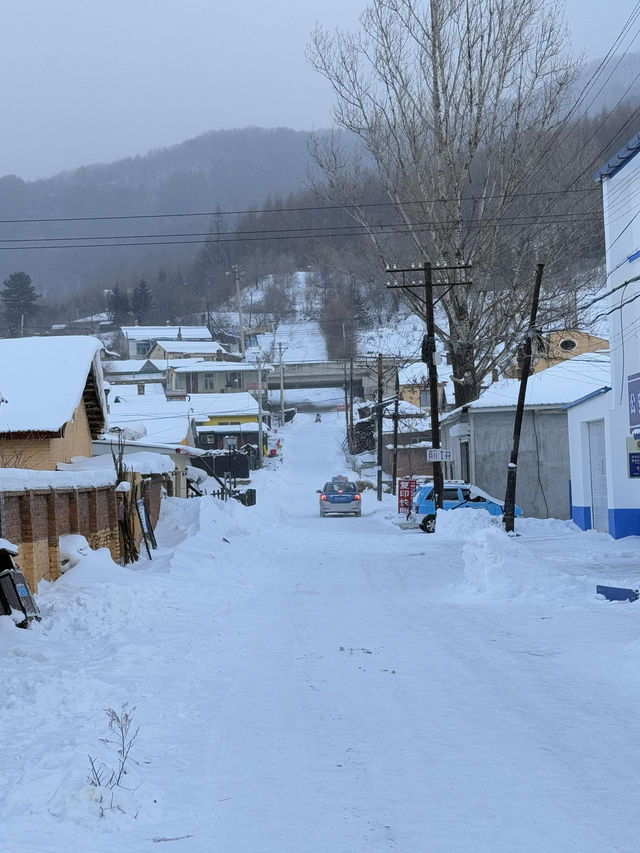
(456, 495)
(340, 497)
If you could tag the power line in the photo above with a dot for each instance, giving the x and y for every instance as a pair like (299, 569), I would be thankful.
(307, 208)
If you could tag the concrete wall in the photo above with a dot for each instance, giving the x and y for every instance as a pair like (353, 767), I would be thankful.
(543, 459)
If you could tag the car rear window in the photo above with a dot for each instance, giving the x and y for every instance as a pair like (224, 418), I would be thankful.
(332, 488)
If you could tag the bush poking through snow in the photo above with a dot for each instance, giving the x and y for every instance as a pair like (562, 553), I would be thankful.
(122, 737)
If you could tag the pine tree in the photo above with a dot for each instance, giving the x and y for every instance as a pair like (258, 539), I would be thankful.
(20, 301)
(141, 301)
(118, 307)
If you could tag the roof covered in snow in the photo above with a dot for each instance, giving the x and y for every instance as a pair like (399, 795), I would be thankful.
(208, 347)
(143, 462)
(204, 406)
(42, 380)
(155, 418)
(563, 383)
(166, 333)
(218, 366)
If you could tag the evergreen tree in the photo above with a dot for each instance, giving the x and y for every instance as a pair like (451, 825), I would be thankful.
(20, 301)
(141, 301)
(118, 307)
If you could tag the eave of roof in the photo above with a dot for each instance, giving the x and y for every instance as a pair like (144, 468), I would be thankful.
(624, 155)
(586, 397)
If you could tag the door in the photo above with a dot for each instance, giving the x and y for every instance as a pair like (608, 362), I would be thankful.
(597, 455)
(464, 462)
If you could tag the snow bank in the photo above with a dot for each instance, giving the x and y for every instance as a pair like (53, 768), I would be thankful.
(15, 479)
(499, 566)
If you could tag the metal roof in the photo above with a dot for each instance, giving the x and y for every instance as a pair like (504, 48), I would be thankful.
(628, 152)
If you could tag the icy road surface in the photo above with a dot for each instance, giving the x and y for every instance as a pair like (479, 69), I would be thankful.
(338, 685)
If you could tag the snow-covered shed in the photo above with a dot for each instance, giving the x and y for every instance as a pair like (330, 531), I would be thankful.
(52, 399)
(481, 434)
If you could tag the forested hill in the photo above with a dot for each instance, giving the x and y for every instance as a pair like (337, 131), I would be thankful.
(226, 169)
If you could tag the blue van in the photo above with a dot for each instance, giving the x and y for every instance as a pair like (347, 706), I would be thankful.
(456, 495)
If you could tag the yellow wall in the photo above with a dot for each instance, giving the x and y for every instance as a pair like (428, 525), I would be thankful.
(215, 420)
(44, 454)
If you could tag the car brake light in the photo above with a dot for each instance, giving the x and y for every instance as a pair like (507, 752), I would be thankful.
(323, 497)
(356, 497)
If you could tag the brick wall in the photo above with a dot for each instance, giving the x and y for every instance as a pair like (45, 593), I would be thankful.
(34, 520)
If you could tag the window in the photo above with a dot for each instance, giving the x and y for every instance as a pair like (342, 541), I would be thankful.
(209, 381)
(142, 347)
(568, 344)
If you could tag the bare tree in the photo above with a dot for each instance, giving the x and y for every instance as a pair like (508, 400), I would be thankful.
(457, 104)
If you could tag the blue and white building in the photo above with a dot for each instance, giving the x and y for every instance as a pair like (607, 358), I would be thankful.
(604, 427)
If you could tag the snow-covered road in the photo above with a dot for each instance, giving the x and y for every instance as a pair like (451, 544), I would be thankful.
(305, 685)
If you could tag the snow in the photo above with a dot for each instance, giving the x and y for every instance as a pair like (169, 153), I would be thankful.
(165, 421)
(166, 333)
(305, 684)
(17, 479)
(192, 348)
(204, 406)
(144, 462)
(5, 545)
(36, 398)
(563, 383)
(301, 342)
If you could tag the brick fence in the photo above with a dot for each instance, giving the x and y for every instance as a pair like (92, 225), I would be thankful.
(34, 519)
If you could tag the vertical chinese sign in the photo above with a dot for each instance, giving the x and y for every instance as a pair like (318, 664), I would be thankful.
(406, 488)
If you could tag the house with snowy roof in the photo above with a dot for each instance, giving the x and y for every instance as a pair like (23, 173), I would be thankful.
(413, 380)
(206, 350)
(137, 341)
(215, 416)
(52, 400)
(480, 434)
(214, 377)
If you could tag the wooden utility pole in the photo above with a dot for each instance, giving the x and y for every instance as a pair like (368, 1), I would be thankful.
(379, 422)
(395, 433)
(525, 367)
(260, 438)
(281, 384)
(432, 369)
(351, 401)
(429, 355)
(236, 269)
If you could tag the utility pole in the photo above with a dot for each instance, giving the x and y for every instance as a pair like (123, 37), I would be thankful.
(281, 384)
(260, 439)
(346, 404)
(429, 355)
(237, 270)
(379, 422)
(350, 427)
(525, 367)
(395, 433)
(432, 368)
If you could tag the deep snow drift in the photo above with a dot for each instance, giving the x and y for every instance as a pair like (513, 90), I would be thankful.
(304, 685)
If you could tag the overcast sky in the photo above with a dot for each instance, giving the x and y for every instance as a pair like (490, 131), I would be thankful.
(87, 82)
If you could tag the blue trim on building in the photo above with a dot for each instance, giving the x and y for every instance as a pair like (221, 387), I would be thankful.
(581, 515)
(586, 397)
(628, 152)
(624, 522)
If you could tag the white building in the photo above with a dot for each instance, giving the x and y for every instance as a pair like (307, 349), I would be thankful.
(604, 427)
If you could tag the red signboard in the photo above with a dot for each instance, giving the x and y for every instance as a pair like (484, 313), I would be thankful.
(406, 488)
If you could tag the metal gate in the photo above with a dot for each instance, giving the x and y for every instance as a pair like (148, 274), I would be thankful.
(599, 503)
